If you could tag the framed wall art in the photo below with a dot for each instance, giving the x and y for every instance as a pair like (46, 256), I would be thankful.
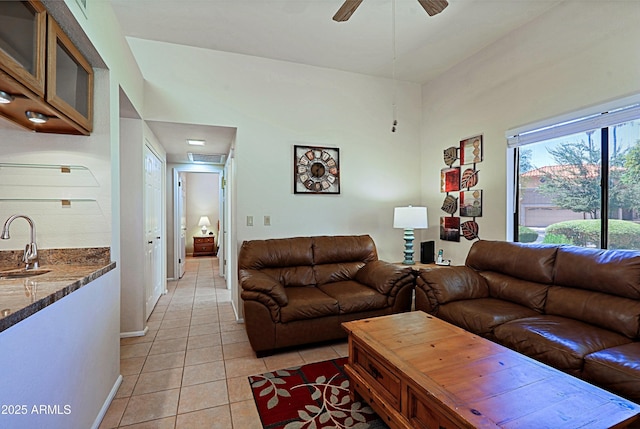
(459, 182)
(450, 228)
(471, 150)
(316, 170)
(471, 203)
(450, 179)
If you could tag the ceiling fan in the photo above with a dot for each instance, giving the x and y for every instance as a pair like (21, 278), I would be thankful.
(433, 7)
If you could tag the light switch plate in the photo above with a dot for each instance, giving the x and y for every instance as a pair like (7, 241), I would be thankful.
(267, 221)
(249, 220)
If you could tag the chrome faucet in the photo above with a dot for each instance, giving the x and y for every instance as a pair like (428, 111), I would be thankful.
(31, 250)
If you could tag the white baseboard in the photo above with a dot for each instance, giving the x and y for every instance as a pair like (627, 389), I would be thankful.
(107, 403)
(135, 333)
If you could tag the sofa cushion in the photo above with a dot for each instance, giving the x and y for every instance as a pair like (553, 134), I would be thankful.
(353, 297)
(481, 316)
(532, 262)
(444, 285)
(343, 248)
(610, 271)
(274, 253)
(307, 303)
(529, 294)
(557, 341)
(337, 272)
(616, 369)
(621, 315)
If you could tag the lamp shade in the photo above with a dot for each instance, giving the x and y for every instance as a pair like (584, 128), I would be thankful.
(204, 221)
(410, 217)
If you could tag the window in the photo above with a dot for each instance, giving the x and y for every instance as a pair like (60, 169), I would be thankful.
(578, 181)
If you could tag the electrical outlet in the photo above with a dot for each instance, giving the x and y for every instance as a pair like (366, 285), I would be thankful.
(267, 221)
(249, 220)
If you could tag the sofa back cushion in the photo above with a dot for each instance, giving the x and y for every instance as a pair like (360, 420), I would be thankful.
(532, 262)
(615, 272)
(288, 260)
(523, 292)
(308, 261)
(611, 312)
(338, 258)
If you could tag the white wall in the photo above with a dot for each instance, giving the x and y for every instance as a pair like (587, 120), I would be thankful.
(66, 355)
(132, 226)
(87, 222)
(203, 199)
(134, 134)
(274, 105)
(570, 58)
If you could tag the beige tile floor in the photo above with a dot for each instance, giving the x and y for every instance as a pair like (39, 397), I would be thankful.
(190, 370)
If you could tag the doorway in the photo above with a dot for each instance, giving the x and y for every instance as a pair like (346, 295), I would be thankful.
(197, 192)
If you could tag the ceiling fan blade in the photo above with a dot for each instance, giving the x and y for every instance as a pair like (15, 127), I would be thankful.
(346, 10)
(433, 7)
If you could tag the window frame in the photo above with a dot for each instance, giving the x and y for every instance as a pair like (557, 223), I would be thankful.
(597, 117)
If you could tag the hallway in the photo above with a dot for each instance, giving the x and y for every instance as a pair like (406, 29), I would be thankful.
(190, 370)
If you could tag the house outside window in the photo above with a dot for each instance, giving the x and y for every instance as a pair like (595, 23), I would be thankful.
(578, 181)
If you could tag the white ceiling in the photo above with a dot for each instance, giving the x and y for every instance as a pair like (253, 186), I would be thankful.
(302, 31)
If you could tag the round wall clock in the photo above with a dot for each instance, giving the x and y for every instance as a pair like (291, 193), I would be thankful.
(316, 170)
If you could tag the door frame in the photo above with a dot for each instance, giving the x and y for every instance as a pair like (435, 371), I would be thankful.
(196, 168)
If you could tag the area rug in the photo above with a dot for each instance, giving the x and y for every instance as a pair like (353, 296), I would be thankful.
(312, 396)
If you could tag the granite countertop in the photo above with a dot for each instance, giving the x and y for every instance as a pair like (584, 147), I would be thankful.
(70, 269)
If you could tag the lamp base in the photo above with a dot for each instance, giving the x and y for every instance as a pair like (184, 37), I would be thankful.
(204, 230)
(408, 247)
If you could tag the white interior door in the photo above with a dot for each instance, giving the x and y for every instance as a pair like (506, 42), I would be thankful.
(153, 228)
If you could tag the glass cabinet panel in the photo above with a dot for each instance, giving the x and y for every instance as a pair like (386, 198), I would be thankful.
(72, 84)
(22, 42)
(69, 78)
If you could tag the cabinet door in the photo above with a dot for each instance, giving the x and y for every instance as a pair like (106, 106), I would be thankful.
(23, 26)
(69, 78)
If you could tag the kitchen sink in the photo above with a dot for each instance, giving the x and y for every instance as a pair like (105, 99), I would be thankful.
(21, 272)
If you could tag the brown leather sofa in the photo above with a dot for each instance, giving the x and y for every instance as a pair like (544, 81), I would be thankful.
(572, 308)
(299, 290)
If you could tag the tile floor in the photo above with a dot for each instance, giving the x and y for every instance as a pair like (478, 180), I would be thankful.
(190, 370)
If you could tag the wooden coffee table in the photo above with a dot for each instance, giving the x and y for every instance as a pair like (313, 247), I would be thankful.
(417, 371)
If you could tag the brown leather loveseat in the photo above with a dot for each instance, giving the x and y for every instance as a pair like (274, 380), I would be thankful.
(299, 290)
(572, 308)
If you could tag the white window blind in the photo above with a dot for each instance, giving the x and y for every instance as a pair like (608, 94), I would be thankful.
(596, 117)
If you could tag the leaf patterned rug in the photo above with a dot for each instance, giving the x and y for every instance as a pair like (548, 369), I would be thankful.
(313, 396)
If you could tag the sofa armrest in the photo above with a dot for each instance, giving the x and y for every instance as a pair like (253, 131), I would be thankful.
(385, 277)
(442, 285)
(272, 307)
(258, 282)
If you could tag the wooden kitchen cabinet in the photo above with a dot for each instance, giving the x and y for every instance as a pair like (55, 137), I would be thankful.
(69, 77)
(23, 29)
(43, 71)
(204, 245)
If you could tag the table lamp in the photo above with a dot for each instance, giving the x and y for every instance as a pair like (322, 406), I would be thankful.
(204, 223)
(409, 218)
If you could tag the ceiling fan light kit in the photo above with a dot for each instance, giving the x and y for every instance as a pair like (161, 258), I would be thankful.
(432, 7)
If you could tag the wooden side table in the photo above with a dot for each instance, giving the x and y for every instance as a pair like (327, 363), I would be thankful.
(204, 245)
(418, 265)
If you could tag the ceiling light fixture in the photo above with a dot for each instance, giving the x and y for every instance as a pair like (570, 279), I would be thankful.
(5, 97)
(36, 117)
(193, 142)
